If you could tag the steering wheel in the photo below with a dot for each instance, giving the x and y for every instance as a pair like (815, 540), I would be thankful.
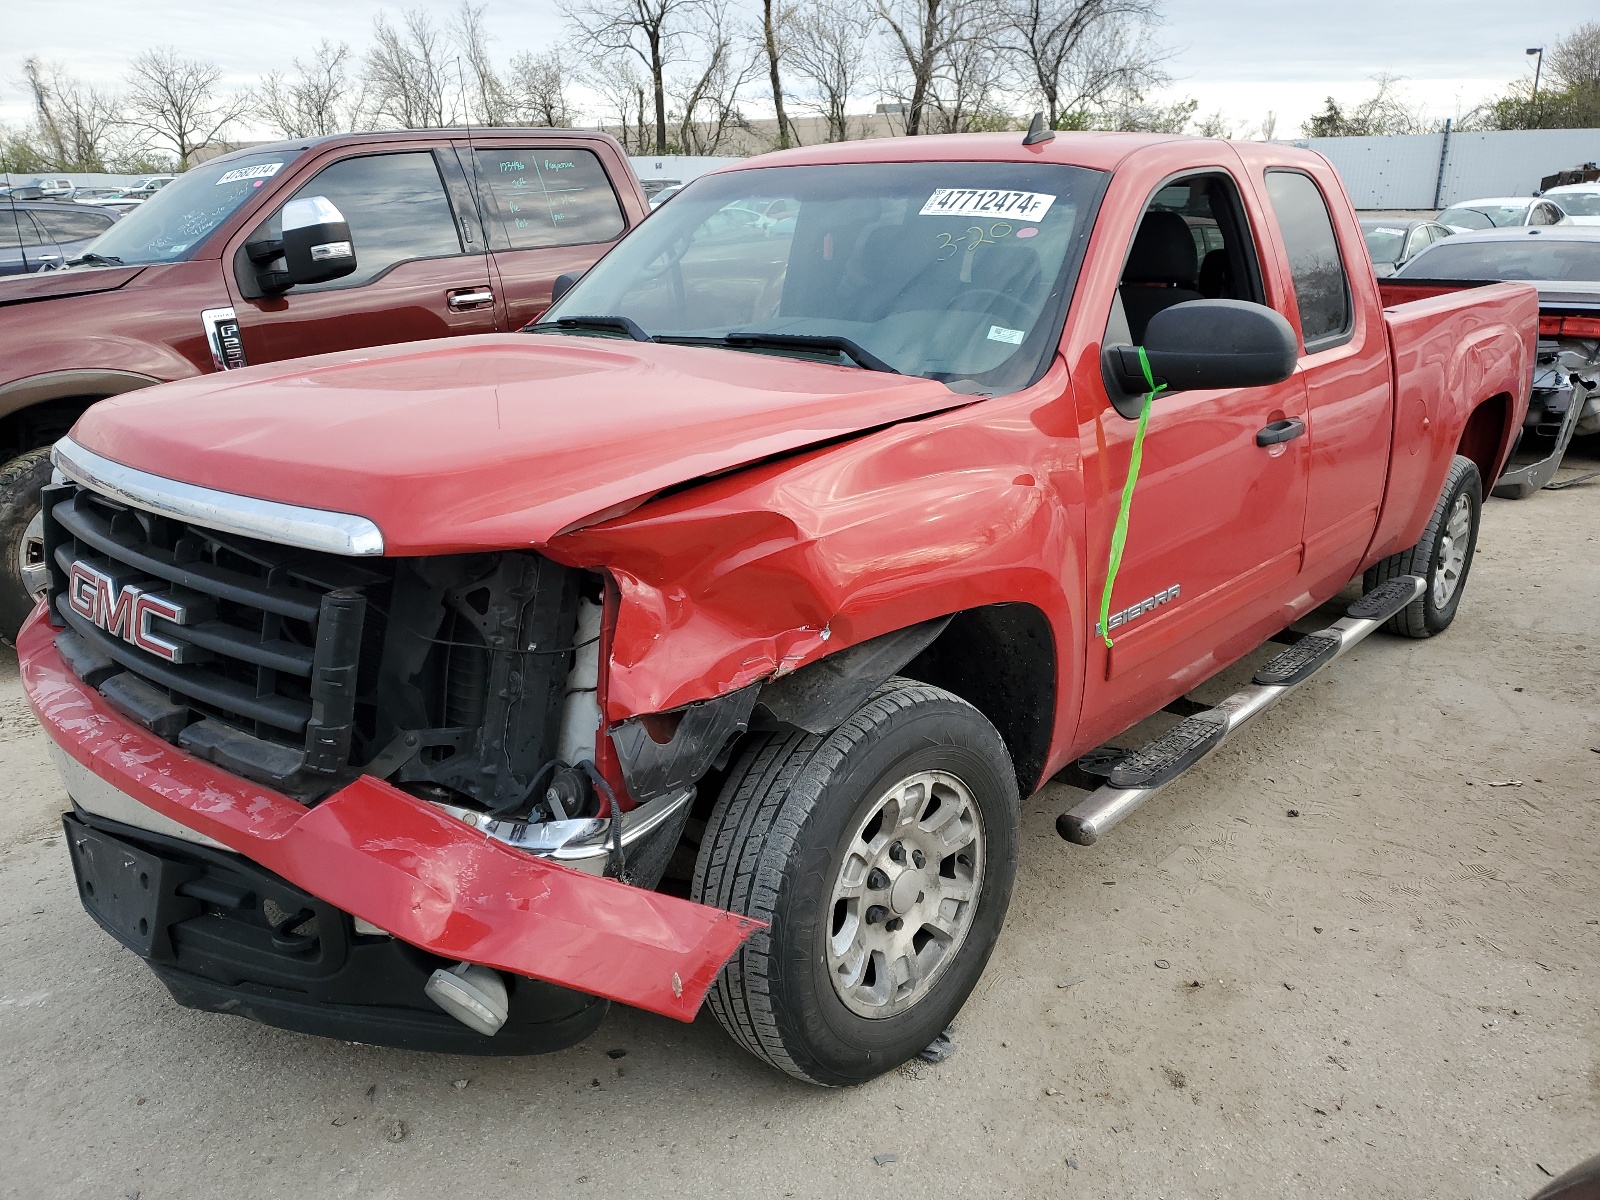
(1016, 310)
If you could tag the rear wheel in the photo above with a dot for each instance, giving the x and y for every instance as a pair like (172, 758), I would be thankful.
(23, 572)
(881, 858)
(1443, 556)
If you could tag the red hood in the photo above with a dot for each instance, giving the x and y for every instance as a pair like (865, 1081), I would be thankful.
(495, 441)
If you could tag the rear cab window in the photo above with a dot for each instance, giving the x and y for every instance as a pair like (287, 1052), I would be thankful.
(1321, 287)
(537, 197)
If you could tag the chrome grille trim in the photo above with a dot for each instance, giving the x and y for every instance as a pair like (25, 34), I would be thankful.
(269, 520)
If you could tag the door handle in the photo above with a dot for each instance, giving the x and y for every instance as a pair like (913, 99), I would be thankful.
(469, 298)
(1279, 432)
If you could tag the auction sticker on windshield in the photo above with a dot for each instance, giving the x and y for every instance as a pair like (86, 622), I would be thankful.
(987, 202)
(259, 171)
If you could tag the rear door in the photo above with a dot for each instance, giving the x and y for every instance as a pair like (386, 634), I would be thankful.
(549, 209)
(1344, 360)
(32, 244)
(73, 226)
(421, 268)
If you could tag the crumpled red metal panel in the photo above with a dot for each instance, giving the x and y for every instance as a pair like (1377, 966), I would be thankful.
(391, 859)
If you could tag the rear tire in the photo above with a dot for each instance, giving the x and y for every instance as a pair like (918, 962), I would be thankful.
(856, 849)
(21, 537)
(1442, 556)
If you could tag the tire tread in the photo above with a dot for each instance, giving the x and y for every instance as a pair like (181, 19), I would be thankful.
(752, 832)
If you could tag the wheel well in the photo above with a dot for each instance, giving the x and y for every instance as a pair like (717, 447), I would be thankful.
(1484, 435)
(40, 424)
(1001, 659)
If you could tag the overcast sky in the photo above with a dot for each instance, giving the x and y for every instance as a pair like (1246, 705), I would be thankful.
(1242, 57)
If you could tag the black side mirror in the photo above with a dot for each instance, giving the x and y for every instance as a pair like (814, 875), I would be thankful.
(563, 284)
(1206, 344)
(316, 241)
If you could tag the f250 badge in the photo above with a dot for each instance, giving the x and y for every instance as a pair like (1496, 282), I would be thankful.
(1134, 611)
(222, 335)
(124, 611)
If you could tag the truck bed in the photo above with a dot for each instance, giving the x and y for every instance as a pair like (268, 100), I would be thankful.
(1452, 345)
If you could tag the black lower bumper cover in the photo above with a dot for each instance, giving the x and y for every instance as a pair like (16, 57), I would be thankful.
(226, 936)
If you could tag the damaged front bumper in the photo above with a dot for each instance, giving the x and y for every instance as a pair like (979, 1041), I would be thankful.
(400, 865)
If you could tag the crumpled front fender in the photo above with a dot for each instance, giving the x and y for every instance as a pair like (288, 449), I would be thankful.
(389, 858)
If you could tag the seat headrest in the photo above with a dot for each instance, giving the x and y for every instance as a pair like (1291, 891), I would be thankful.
(1163, 252)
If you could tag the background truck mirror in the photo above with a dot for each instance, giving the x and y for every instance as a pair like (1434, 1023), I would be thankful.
(563, 284)
(1206, 344)
(316, 241)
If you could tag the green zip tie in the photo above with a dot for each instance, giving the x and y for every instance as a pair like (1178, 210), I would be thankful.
(1119, 533)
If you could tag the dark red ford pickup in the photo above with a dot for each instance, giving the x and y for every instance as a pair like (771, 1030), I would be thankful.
(452, 232)
(702, 638)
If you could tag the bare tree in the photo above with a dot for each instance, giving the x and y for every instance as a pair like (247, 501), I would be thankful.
(622, 90)
(78, 128)
(774, 19)
(967, 86)
(1269, 126)
(539, 85)
(1075, 54)
(1386, 111)
(492, 101)
(651, 30)
(319, 99)
(921, 35)
(175, 101)
(409, 77)
(1574, 61)
(706, 103)
(826, 47)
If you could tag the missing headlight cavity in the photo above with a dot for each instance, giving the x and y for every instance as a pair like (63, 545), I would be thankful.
(469, 690)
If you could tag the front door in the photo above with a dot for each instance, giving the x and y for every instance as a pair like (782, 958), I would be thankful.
(417, 277)
(1214, 535)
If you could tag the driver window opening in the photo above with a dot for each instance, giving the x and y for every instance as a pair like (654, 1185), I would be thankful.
(1192, 244)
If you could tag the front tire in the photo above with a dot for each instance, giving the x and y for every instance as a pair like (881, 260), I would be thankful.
(23, 573)
(881, 858)
(1442, 556)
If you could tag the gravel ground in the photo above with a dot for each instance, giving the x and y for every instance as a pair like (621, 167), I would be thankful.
(1390, 994)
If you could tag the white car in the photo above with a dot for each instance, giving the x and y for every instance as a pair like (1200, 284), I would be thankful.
(1501, 212)
(1580, 201)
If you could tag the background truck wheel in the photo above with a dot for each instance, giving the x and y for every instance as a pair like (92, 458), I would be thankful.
(881, 857)
(1443, 556)
(22, 565)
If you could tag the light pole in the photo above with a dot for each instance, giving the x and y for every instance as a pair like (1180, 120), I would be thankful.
(1538, 66)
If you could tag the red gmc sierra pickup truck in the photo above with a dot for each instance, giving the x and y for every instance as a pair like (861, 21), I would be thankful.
(452, 232)
(702, 638)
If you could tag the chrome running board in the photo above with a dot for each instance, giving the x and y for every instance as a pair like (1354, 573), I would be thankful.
(1142, 773)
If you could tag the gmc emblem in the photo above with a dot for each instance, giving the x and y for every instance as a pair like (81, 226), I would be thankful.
(123, 611)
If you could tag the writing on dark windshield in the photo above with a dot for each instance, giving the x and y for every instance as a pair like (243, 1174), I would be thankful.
(547, 200)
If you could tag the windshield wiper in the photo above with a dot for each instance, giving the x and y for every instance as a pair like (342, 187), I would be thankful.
(812, 341)
(110, 260)
(625, 325)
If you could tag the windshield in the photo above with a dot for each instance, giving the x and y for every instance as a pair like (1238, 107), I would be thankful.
(184, 213)
(1537, 257)
(1577, 204)
(1384, 243)
(953, 270)
(1487, 217)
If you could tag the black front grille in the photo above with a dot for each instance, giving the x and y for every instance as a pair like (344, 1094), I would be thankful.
(270, 649)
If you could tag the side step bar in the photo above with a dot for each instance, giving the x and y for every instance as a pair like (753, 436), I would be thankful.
(1139, 775)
